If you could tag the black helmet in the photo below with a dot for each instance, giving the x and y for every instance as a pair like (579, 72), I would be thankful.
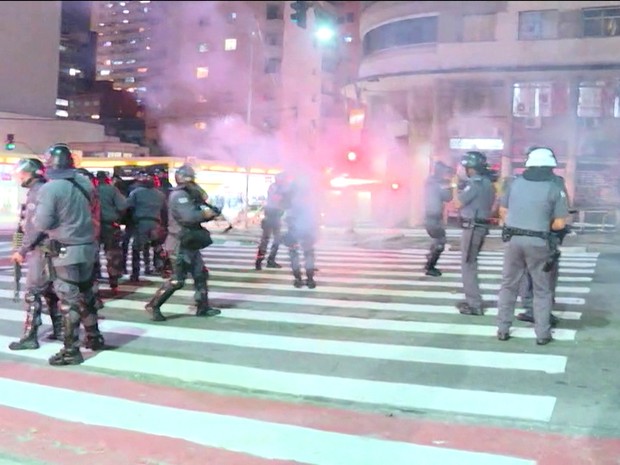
(184, 174)
(59, 156)
(475, 160)
(34, 166)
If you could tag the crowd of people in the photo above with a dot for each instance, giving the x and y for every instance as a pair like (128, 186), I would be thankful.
(71, 215)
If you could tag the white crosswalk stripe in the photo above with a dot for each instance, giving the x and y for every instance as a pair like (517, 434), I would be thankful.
(372, 308)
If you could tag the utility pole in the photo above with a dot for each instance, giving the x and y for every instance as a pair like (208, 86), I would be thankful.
(248, 120)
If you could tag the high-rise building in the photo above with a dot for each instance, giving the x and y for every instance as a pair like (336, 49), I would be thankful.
(77, 53)
(126, 51)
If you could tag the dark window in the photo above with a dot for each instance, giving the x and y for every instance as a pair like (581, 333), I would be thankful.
(601, 22)
(274, 12)
(536, 25)
(407, 32)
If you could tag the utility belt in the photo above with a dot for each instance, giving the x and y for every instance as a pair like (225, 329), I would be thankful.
(54, 248)
(509, 231)
(469, 223)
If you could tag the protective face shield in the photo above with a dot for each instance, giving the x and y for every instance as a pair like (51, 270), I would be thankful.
(27, 170)
(541, 156)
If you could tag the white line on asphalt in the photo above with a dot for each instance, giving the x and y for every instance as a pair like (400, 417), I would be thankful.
(273, 441)
(377, 324)
(381, 393)
(341, 348)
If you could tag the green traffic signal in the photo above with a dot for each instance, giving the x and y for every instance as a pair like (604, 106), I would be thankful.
(10, 146)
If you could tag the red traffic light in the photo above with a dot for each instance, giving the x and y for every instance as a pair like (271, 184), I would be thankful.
(351, 155)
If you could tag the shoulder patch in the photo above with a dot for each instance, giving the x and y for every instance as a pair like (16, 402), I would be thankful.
(183, 199)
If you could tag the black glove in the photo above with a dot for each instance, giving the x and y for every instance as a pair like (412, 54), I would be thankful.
(462, 184)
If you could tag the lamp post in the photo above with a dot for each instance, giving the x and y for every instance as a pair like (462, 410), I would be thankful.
(248, 120)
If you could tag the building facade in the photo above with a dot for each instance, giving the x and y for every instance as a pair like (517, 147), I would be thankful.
(439, 78)
(29, 77)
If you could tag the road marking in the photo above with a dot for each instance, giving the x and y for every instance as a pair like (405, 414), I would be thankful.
(254, 437)
(404, 353)
(386, 394)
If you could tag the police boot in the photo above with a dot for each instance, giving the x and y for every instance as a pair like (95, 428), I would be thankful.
(135, 266)
(93, 339)
(29, 340)
(310, 282)
(298, 282)
(160, 297)
(271, 263)
(113, 281)
(258, 265)
(202, 300)
(54, 312)
(70, 354)
(431, 261)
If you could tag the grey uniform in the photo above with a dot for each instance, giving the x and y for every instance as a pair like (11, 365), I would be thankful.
(64, 214)
(113, 205)
(532, 206)
(476, 199)
(526, 290)
(436, 196)
(183, 213)
(147, 204)
(38, 281)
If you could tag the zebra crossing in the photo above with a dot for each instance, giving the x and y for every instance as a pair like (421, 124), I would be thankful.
(376, 334)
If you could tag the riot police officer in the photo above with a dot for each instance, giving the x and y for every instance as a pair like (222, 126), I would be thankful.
(302, 218)
(534, 205)
(475, 197)
(187, 211)
(148, 206)
(438, 191)
(272, 222)
(113, 207)
(64, 213)
(39, 286)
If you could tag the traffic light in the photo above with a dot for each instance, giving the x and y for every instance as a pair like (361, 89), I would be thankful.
(10, 142)
(395, 186)
(352, 156)
(300, 13)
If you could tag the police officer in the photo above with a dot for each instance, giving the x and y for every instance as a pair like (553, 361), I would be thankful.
(438, 191)
(272, 222)
(186, 212)
(148, 205)
(39, 286)
(475, 197)
(113, 207)
(302, 220)
(64, 213)
(534, 205)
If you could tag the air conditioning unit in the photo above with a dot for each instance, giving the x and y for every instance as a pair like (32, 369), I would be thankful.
(534, 122)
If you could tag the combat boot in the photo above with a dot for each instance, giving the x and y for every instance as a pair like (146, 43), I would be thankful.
(258, 264)
(93, 338)
(56, 334)
(70, 354)
(310, 282)
(431, 261)
(160, 297)
(273, 264)
(298, 282)
(203, 309)
(30, 340)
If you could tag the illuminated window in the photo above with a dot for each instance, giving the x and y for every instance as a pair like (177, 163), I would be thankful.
(94, 116)
(62, 113)
(202, 72)
(200, 125)
(125, 21)
(107, 44)
(104, 72)
(202, 48)
(230, 44)
(202, 99)
(142, 70)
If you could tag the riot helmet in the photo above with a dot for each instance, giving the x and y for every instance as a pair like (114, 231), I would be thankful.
(184, 174)
(28, 170)
(59, 156)
(102, 177)
(541, 157)
(474, 160)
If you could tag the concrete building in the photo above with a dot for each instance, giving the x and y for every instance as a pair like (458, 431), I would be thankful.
(438, 78)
